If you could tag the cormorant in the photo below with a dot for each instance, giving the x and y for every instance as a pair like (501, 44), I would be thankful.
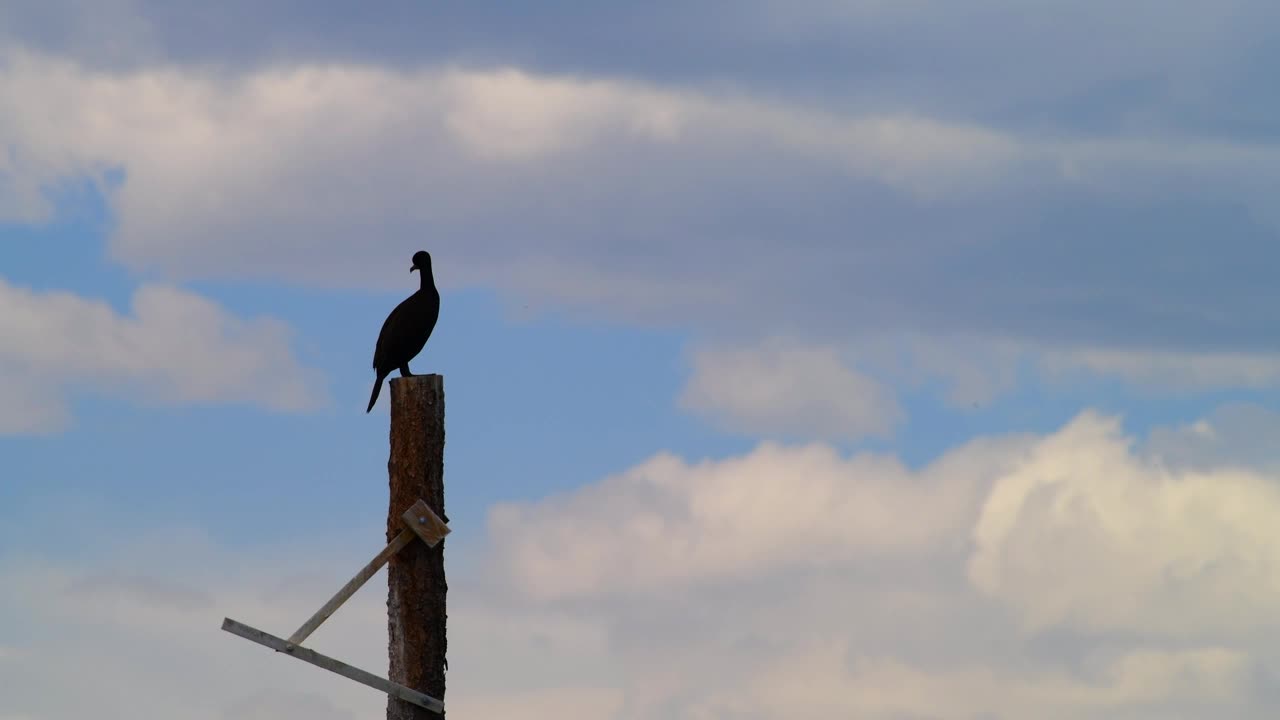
(407, 328)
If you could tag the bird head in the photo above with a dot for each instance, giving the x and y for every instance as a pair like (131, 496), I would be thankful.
(421, 261)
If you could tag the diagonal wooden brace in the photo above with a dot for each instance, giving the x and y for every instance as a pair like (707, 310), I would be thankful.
(421, 521)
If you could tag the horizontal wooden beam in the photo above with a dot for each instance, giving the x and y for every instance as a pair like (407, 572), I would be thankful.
(322, 661)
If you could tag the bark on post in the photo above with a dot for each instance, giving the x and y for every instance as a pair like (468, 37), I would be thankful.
(415, 575)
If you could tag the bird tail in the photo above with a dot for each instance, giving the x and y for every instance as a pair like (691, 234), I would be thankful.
(377, 388)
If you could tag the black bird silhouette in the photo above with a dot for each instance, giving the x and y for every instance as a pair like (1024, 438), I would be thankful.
(407, 328)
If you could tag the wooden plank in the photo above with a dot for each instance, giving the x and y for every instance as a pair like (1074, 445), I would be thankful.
(322, 661)
(423, 521)
(396, 545)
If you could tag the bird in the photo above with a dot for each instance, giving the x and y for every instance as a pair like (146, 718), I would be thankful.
(407, 329)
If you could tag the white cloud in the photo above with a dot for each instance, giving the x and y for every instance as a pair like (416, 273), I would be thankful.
(1076, 532)
(1079, 529)
(173, 347)
(669, 521)
(789, 390)
(821, 682)
(228, 173)
(269, 153)
(1087, 533)
(512, 115)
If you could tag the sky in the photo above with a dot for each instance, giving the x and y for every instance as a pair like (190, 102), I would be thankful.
(810, 359)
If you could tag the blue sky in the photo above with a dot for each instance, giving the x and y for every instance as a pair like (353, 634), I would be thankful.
(547, 386)
(808, 359)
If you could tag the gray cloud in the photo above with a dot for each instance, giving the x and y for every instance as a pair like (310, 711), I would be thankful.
(1240, 434)
(789, 391)
(1091, 66)
(276, 704)
(141, 589)
(1074, 184)
(720, 213)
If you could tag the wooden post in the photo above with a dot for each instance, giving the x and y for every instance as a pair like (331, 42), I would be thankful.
(415, 575)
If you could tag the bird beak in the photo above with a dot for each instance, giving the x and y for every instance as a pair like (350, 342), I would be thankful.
(415, 267)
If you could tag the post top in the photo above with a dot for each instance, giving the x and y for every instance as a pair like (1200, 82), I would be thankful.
(429, 378)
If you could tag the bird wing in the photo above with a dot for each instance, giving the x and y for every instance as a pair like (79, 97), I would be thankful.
(406, 330)
(384, 350)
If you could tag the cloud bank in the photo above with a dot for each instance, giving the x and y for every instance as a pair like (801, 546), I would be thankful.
(728, 214)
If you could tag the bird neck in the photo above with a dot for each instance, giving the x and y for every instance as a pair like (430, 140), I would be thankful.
(427, 280)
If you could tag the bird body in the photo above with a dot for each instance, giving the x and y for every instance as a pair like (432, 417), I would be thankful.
(407, 329)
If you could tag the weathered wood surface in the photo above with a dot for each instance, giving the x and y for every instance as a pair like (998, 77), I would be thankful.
(366, 572)
(425, 523)
(411, 697)
(416, 586)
